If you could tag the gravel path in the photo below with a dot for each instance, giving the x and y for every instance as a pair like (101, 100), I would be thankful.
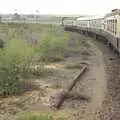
(111, 104)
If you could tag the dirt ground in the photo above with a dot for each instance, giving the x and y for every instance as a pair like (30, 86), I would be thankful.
(87, 98)
(111, 104)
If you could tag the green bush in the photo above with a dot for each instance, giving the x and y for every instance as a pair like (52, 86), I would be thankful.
(1, 43)
(15, 60)
(73, 66)
(37, 116)
(52, 48)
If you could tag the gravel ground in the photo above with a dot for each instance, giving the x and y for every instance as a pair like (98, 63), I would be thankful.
(111, 104)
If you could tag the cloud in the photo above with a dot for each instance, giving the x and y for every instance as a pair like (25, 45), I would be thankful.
(59, 6)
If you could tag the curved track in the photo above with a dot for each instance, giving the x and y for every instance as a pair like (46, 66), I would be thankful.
(111, 104)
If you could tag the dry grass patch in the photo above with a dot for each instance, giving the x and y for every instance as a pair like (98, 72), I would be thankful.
(39, 116)
(73, 65)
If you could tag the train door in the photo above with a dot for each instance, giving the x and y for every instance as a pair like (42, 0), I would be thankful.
(118, 32)
(117, 44)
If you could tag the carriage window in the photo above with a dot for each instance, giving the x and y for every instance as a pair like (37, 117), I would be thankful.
(115, 26)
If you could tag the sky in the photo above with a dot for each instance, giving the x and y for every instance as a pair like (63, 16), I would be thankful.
(61, 7)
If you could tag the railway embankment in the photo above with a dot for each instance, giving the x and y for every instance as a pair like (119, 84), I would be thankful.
(111, 104)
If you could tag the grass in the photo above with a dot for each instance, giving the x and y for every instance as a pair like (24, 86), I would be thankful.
(23, 45)
(73, 66)
(83, 46)
(36, 117)
(78, 96)
(52, 47)
(26, 46)
(39, 116)
(15, 60)
(78, 45)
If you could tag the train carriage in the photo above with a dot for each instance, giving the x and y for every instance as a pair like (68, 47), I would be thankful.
(108, 27)
(112, 28)
(69, 23)
(97, 25)
(82, 24)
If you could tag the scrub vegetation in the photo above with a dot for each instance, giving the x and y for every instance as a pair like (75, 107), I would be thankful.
(25, 45)
(15, 60)
(38, 116)
(35, 61)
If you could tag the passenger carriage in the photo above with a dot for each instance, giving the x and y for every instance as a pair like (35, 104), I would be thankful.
(108, 26)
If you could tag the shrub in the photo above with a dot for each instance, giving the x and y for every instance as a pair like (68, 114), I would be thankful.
(37, 116)
(52, 48)
(15, 61)
(73, 66)
(1, 43)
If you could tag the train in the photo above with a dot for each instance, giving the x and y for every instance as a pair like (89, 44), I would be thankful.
(107, 26)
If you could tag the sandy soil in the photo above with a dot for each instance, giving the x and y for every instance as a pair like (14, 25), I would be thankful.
(111, 105)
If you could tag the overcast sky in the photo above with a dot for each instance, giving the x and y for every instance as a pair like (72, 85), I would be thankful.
(88, 7)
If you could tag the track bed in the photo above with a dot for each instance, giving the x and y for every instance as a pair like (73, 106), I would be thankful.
(111, 104)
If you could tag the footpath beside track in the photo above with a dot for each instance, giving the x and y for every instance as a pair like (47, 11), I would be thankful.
(111, 104)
